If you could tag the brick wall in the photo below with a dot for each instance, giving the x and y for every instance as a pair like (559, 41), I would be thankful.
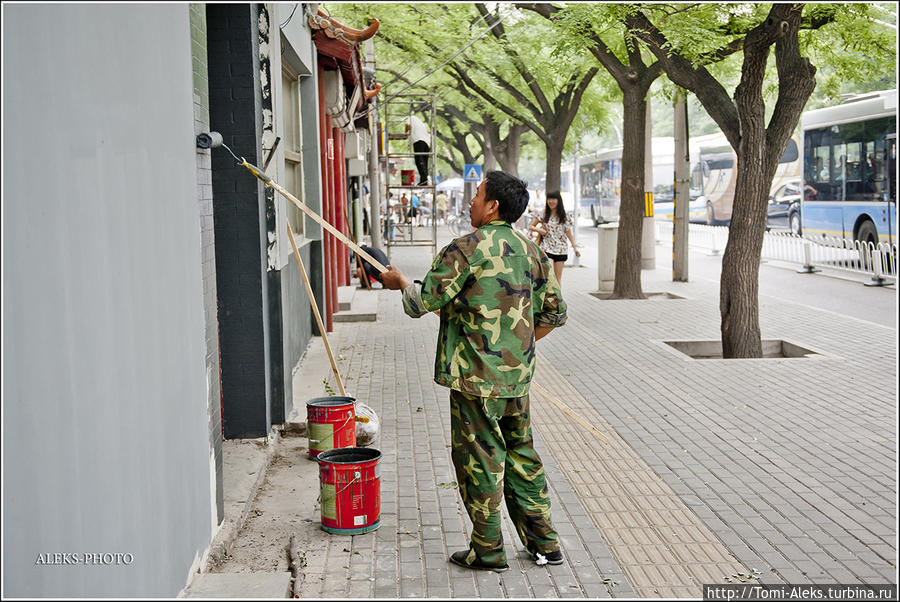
(239, 219)
(207, 241)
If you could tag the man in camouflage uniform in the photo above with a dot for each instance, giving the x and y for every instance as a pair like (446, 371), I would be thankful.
(497, 294)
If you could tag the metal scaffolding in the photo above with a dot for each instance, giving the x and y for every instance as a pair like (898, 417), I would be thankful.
(399, 178)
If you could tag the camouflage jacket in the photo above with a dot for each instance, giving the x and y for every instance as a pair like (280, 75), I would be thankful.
(493, 287)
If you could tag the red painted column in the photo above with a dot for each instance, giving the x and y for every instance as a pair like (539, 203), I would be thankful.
(343, 263)
(333, 200)
(324, 129)
(327, 211)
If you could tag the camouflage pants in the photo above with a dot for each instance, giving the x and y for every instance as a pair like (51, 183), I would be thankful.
(494, 457)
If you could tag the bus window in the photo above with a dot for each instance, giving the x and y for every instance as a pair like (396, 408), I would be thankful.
(821, 174)
(891, 161)
(791, 153)
(873, 169)
(852, 170)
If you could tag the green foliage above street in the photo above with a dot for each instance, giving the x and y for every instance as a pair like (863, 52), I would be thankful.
(854, 52)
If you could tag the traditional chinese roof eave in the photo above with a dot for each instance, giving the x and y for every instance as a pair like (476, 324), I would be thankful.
(341, 43)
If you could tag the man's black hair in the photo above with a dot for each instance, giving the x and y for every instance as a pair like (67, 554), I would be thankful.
(511, 192)
(369, 269)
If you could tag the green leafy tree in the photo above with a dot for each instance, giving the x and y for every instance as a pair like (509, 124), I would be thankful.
(855, 47)
(607, 31)
(502, 60)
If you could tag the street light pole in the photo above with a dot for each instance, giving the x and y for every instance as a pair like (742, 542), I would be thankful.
(374, 180)
(681, 212)
(648, 229)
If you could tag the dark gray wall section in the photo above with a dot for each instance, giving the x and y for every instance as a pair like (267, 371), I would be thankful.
(239, 216)
(298, 316)
(105, 430)
(274, 325)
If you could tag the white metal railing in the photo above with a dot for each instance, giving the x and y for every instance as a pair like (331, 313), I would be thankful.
(879, 261)
(701, 236)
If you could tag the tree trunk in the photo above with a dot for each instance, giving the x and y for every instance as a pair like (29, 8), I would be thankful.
(758, 153)
(739, 284)
(507, 150)
(552, 179)
(490, 161)
(758, 149)
(631, 206)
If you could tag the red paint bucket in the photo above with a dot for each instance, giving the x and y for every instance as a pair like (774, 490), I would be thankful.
(407, 177)
(350, 490)
(330, 423)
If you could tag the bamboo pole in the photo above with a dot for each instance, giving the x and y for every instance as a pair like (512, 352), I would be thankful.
(315, 308)
(312, 214)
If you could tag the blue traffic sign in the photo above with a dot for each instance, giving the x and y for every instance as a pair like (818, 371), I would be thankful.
(472, 173)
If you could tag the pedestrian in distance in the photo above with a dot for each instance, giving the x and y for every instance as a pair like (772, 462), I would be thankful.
(553, 228)
(421, 145)
(404, 208)
(440, 203)
(497, 295)
(414, 208)
(387, 212)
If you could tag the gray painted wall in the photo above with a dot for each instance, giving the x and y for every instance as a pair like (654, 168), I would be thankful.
(295, 48)
(105, 426)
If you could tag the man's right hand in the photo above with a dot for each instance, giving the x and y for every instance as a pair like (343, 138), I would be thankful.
(394, 279)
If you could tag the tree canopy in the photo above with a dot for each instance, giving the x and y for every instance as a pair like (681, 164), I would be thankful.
(504, 61)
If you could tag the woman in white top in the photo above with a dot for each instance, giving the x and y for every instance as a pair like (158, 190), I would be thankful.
(554, 227)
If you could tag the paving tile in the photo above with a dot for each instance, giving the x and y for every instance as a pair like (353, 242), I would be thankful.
(692, 473)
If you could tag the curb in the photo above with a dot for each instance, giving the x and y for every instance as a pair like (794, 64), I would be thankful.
(228, 531)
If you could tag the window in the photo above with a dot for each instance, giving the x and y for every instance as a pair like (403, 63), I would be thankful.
(847, 160)
(291, 143)
(791, 153)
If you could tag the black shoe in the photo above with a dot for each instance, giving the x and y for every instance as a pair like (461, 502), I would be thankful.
(422, 183)
(554, 557)
(460, 559)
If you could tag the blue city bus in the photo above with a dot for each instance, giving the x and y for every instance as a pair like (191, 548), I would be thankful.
(850, 168)
(600, 181)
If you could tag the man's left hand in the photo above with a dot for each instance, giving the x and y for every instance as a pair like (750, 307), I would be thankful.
(394, 279)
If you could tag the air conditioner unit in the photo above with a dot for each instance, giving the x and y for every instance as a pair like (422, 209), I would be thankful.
(335, 96)
(356, 144)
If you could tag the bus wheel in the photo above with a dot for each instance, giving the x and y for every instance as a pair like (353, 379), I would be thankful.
(795, 223)
(867, 233)
(710, 214)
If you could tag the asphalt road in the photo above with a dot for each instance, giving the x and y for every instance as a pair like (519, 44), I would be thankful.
(839, 292)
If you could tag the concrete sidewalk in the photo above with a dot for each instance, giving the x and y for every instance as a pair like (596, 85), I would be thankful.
(694, 471)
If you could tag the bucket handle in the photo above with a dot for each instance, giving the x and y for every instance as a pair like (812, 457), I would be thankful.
(356, 476)
(338, 430)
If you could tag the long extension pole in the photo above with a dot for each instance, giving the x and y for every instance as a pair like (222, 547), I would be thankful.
(315, 308)
(315, 216)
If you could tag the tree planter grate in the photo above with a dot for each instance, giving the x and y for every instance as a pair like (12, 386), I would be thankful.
(712, 350)
(605, 296)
